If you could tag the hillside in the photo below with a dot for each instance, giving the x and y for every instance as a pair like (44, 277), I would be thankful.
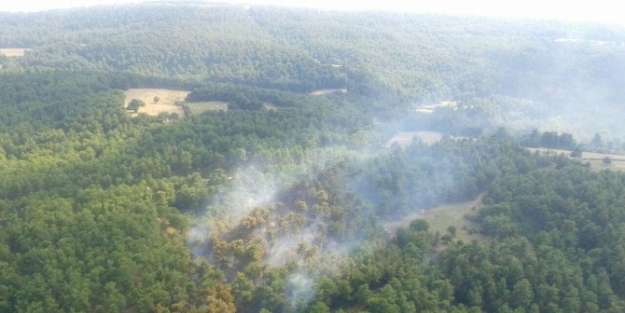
(293, 160)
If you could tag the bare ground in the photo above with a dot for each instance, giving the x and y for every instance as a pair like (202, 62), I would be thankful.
(13, 52)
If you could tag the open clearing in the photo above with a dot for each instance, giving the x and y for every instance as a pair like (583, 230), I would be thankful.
(167, 102)
(595, 159)
(404, 139)
(441, 217)
(13, 52)
(324, 92)
(200, 107)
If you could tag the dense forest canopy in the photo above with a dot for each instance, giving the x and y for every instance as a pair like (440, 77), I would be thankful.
(317, 185)
(550, 74)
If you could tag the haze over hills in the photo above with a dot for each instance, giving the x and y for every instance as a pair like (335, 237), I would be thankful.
(597, 11)
(225, 158)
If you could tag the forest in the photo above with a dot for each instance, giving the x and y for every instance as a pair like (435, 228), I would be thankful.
(316, 190)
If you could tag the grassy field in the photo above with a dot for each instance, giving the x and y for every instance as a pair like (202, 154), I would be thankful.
(595, 159)
(13, 52)
(167, 102)
(200, 107)
(442, 217)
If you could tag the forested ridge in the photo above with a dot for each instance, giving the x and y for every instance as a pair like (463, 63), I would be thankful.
(294, 199)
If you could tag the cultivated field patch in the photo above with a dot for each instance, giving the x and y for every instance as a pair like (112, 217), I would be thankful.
(167, 100)
(13, 52)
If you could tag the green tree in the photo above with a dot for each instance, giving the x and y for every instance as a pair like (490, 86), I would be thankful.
(135, 104)
(419, 225)
(576, 153)
(597, 141)
(320, 307)
(452, 231)
(522, 295)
